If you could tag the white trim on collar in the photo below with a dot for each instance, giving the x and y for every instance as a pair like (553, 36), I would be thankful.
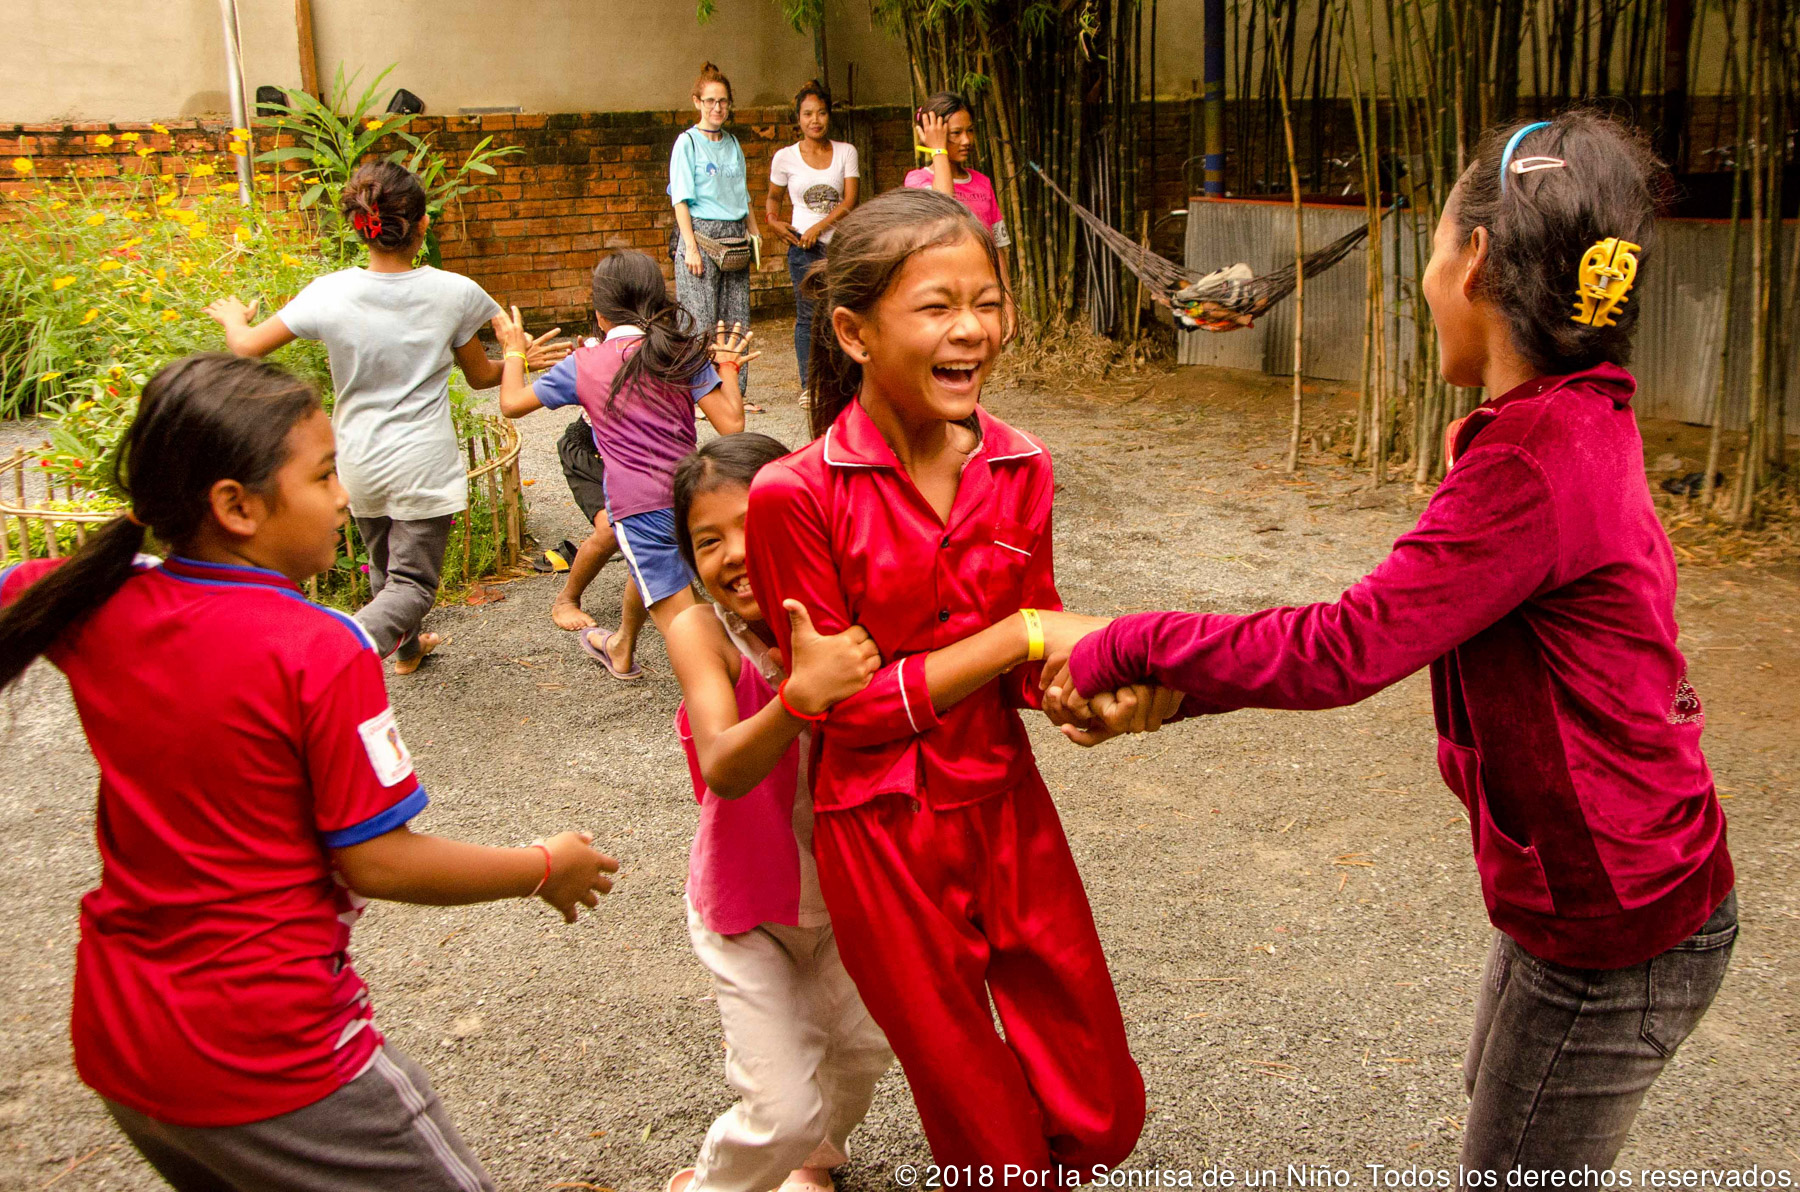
(841, 463)
(622, 330)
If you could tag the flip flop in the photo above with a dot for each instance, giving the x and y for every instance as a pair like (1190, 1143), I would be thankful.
(680, 1180)
(586, 638)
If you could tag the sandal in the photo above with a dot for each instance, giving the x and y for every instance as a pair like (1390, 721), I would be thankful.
(680, 1180)
(600, 655)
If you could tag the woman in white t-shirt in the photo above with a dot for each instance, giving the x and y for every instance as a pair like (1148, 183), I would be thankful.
(820, 177)
(394, 330)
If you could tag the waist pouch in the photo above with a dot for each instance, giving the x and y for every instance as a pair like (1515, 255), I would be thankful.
(732, 254)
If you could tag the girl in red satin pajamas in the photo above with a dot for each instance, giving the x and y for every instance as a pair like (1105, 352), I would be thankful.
(917, 515)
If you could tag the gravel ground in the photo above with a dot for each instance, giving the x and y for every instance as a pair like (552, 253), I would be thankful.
(1288, 901)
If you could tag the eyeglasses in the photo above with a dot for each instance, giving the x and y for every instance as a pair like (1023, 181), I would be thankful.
(714, 103)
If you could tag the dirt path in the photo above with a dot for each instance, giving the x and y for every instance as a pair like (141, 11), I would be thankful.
(1285, 1008)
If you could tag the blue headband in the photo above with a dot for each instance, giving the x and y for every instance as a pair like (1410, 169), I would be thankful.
(1506, 157)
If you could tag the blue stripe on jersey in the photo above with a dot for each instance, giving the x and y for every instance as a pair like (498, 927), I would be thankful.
(351, 623)
(380, 824)
(6, 571)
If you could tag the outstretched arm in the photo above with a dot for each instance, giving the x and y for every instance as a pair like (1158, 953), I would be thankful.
(242, 339)
(407, 866)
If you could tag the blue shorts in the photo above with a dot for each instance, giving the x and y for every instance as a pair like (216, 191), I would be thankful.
(647, 541)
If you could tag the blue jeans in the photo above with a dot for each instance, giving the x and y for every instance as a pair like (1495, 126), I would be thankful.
(799, 261)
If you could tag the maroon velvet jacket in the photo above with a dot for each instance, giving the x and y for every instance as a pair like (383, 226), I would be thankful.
(1540, 588)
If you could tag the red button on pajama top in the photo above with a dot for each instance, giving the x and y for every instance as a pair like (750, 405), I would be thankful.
(241, 732)
(940, 854)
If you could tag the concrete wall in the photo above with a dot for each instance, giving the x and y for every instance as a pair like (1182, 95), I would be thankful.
(85, 60)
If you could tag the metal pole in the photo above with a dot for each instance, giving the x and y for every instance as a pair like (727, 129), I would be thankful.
(240, 112)
(1213, 98)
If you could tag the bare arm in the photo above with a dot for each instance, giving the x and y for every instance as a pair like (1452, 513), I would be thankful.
(517, 399)
(836, 213)
(242, 339)
(690, 247)
(407, 866)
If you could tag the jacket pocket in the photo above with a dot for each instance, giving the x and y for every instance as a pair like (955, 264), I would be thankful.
(1511, 872)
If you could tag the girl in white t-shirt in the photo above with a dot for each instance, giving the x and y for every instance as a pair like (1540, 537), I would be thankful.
(820, 177)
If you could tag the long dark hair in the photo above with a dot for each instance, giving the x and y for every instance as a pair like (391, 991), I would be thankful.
(728, 459)
(868, 249)
(1545, 220)
(385, 203)
(202, 419)
(629, 288)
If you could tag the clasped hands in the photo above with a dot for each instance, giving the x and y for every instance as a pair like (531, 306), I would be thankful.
(1087, 721)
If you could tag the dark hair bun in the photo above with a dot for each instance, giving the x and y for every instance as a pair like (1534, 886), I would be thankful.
(385, 203)
(1541, 223)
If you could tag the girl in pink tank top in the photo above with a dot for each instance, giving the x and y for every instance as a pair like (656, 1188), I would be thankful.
(801, 1051)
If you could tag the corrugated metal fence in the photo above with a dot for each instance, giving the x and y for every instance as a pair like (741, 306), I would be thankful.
(1676, 346)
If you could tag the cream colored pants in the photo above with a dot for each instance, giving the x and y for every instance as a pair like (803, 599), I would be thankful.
(801, 1051)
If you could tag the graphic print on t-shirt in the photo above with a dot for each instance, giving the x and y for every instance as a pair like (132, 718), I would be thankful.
(822, 197)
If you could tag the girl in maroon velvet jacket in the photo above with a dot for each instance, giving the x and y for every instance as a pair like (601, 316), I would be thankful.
(1540, 589)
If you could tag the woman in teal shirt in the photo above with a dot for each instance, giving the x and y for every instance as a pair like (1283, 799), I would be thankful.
(709, 187)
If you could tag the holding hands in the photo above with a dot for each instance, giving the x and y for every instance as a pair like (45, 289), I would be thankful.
(510, 332)
(1139, 708)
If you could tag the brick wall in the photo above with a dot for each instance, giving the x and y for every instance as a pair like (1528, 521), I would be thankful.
(582, 182)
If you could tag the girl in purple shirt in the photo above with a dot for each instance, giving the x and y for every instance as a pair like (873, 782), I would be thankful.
(639, 387)
(1539, 587)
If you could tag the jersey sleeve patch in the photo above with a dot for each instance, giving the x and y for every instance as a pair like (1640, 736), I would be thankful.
(388, 754)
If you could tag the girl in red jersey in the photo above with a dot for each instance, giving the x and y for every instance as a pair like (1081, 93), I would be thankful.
(254, 792)
(920, 517)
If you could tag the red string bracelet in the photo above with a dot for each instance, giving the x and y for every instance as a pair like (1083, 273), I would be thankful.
(797, 714)
(538, 889)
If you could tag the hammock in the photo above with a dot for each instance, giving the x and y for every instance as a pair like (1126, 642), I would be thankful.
(1224, 300)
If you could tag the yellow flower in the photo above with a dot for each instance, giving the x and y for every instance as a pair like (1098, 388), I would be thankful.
(116, 371)
(183, 215)
(93, 313)
(83, 405)
(59, 205)
(226, 188)
(145, 152)
(169, 316)
(237, 147)
(161, 275)
(371, 124)
(133, 242)
(204, 170)
(94, 220)
(103, 140)
(136, 216)
(286, 259)
(49, 376)
(187, 269)
(240, 134)
(62, 283)
(196, 230)
(160, 128)
(128, 137)
(109, 266)
(164, 200)
(22, 165)
(146, 295)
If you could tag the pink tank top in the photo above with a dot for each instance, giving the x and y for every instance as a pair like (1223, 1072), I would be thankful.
(751, 862)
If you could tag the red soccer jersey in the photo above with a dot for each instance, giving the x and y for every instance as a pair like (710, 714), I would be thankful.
(839, 526)
(241, 731)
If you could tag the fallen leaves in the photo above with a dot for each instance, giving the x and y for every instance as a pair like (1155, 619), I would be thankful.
(484, 594)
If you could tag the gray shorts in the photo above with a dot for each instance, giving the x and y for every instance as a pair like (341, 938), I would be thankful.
(385, 1131)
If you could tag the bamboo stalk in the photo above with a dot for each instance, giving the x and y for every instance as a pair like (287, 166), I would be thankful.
(1287, 126)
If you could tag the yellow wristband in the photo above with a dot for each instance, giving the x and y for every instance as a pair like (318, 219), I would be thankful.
(519, 356)
(1034, 635)
(931, 149)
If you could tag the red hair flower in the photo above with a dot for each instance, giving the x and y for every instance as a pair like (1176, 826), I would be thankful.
(368, 223)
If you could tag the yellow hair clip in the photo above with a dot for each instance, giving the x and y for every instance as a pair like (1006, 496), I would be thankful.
(1607, 271)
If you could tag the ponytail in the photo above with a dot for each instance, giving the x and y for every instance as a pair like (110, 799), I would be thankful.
(869, 247)
(203, 419)
(628, 288)
(47, 609)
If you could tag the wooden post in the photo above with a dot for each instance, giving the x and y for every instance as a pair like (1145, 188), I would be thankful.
(309, 60)
(515, 521)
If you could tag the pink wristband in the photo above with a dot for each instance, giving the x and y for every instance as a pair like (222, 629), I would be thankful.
(545, 880)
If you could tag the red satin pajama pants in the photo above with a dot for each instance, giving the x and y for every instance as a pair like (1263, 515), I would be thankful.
(936, 911)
